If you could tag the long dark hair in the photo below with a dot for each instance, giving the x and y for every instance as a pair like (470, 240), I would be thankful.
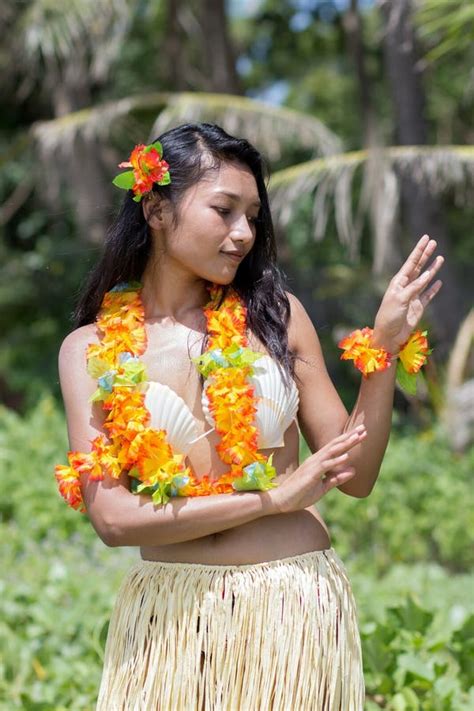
(259, 280)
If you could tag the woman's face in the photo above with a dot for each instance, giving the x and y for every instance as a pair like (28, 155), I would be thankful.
(211, 224)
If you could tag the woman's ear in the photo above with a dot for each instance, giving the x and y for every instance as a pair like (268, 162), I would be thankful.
(153, 211)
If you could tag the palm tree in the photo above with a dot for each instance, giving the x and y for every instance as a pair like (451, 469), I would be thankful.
(82, 140)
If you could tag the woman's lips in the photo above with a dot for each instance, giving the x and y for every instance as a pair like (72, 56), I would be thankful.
(234, 257)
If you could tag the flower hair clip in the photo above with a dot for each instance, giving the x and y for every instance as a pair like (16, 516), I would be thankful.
(148, 167)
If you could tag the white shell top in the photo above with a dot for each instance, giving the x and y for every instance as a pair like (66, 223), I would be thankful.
(276, 409)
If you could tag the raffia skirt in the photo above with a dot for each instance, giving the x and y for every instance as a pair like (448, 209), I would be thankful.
(275, 636)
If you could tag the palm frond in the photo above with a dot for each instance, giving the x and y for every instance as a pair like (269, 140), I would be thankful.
(331, 179)
(270, 128)
(54, 32)
(98, 122)
(447, 26)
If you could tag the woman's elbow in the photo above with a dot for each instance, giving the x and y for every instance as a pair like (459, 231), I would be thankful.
(107, 529)
(356, 489)
(111, 538)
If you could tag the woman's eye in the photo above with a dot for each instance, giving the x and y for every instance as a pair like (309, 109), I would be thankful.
(226, 211)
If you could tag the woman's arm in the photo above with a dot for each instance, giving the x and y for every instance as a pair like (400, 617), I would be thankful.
(322, 414)
(373, 408)
(125, 519)
(119, 517)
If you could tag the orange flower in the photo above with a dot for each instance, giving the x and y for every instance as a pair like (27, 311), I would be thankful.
(69, 486)
(105, 459)
(135, 447)
(357, 348)
(148, 168)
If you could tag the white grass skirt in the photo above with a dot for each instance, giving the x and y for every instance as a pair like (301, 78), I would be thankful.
(275, 636)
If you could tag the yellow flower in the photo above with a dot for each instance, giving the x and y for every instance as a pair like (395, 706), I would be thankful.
(413, 354)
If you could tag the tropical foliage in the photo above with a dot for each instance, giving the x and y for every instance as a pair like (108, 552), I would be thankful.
(408, 549)
(364, 114)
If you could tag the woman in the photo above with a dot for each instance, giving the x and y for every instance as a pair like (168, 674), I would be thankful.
(238, 601)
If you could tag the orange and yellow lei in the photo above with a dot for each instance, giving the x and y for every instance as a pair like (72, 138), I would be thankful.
(143, 452)
(368, 359)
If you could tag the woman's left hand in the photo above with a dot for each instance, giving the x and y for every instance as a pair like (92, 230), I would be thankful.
(407, 295)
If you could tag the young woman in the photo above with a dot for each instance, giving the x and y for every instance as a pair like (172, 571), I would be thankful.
(238, 600)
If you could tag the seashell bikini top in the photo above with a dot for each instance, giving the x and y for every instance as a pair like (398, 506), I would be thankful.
(276, 409)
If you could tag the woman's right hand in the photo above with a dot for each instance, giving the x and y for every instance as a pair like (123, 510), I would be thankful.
(305, 486)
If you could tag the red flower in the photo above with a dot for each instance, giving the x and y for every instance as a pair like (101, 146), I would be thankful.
(148, 168)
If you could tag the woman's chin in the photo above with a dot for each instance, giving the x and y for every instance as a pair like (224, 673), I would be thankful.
(223, 278)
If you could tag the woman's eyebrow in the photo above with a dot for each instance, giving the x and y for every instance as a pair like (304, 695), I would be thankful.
(257, 203)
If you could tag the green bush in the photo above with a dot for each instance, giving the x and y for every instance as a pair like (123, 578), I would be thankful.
(420, 508)
(405, 547)
(409, 667)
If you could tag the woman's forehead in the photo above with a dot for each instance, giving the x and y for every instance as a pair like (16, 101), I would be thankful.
(234, 181)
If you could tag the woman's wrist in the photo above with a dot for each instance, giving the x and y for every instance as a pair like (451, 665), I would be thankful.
(372, 351)
(380, 340)
(269, 502)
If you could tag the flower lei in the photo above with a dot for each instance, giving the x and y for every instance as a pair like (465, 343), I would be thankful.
(412, 355)
(144, 452)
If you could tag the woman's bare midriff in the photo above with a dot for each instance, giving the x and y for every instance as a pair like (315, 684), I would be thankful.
(263, 539)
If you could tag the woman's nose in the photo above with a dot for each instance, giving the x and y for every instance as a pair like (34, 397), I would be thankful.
(242, 229)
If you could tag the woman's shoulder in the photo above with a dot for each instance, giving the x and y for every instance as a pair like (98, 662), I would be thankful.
(72, 352)
(80, 337)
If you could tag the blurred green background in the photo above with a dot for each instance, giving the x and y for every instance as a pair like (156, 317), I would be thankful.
(364, 113)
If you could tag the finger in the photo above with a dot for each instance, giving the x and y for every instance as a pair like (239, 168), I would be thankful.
(423, 280)
(339, 453)
(339, 445)
(346, 435)
(337, 478)
(432, 291)
(336, 446)
(414, 258)
(331, 462)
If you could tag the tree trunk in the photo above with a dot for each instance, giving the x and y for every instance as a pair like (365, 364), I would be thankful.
(355, 49)
(80, 166)
(174, 47)
(217, 47)
(421, 209)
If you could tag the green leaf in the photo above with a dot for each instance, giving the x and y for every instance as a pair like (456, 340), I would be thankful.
(161, 495)
(135, 373)
(165, 179)
(257, 477)
(407, 381)
(410, 616)
(406, 700)
(98, 395)
(124, 180)
(156, 145)
(232, 357)
(415, 667)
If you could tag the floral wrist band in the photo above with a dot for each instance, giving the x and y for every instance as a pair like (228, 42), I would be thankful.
(148, 168)
(411, 357)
